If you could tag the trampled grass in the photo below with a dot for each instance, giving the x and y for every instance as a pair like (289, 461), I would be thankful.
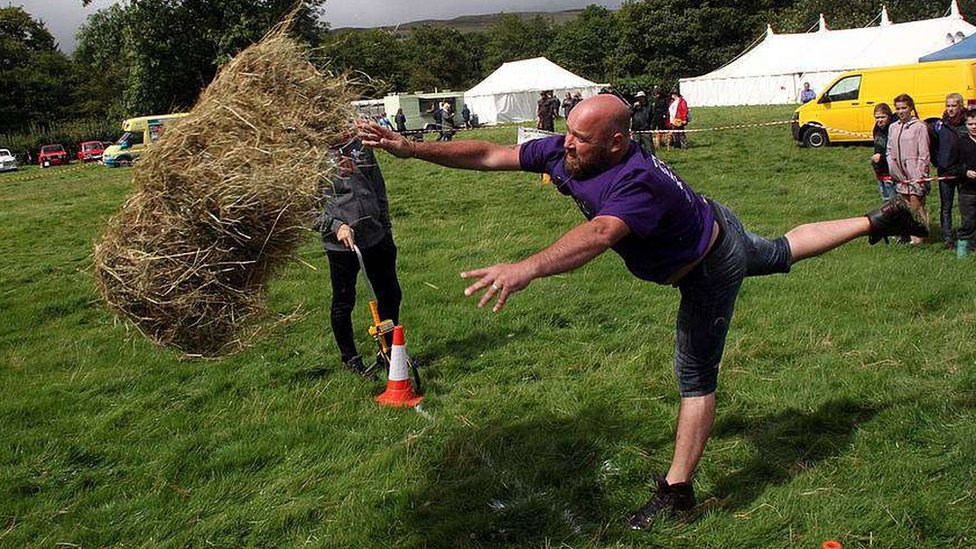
(846, 399)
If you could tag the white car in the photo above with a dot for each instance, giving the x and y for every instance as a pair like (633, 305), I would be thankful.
(7, 161)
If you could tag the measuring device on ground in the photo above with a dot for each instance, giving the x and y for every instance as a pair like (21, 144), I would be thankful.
(379, 328)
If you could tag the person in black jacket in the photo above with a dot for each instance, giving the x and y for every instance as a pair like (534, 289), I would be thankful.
(966, 182)
(554, 104)
(641, 115)
(948, 132)
(543, 113)
(357, 212)
(659, 115)
(879, 160)
(401, 121)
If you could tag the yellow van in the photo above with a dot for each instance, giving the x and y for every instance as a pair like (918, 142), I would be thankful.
(138, 133)
(848, 102)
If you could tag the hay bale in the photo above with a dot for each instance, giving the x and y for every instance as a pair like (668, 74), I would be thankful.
(223, 199)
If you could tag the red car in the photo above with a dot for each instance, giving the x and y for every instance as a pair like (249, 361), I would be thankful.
(90, 151)
(52, 155)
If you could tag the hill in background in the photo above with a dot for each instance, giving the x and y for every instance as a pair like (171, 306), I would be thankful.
(472, 23)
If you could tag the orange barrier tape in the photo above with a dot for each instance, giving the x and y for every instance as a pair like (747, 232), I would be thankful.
(686, 130)
(719, 128)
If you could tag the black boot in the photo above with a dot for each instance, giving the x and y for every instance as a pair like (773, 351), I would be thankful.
(669, 500)
(356, 365)
(895, 218)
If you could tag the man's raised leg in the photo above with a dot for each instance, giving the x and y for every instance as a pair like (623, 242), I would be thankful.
(813, 239)
(893, 218)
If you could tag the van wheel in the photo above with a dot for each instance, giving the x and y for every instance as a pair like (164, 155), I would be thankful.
(815, 138)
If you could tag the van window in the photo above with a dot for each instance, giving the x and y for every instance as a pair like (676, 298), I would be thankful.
(846, 89)
(134, 138)
(155, 132)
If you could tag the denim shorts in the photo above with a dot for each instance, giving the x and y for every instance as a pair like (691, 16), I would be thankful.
(708, 294)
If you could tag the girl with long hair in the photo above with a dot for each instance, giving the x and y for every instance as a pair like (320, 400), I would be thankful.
(908, 157)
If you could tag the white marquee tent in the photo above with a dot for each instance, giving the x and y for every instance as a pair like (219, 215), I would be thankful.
(511, 93)
(773, 72)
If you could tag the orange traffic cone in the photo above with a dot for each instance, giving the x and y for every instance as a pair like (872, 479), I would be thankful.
(399, 392)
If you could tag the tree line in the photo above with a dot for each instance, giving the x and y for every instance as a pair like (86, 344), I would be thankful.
(154, 56)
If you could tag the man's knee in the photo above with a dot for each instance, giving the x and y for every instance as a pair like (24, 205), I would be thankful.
(695, 378)
(342, 305)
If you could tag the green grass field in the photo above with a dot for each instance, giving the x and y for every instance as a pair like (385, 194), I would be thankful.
(847, 399)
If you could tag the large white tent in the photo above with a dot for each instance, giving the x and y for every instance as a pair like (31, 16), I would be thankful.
(773, 72)
(511, 93)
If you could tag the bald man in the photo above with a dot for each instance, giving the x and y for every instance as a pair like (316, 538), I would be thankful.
(666, 233)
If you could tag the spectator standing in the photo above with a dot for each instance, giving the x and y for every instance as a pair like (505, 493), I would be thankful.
(357, 213)
(401, 121)
(678, 116)
(908, 157)
(640, 121)
(437, 113)
(660, 116)
(544, 120)
(967, 185)
(466, 116)
(883, 118)
(807, 94)
(447, 122)
(948, 132)
(554, 104)
(567, 104)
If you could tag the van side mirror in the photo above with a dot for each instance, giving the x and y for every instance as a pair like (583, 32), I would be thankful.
(124, 145)
(824, 99)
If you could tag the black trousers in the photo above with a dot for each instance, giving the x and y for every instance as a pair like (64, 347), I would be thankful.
(947, 193)
(967, 208)
(380, 261)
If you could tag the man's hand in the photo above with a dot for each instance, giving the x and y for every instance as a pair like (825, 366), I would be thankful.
(876, 157)
(503, 279)
(346, 235)
(971, 174)
(378, 137)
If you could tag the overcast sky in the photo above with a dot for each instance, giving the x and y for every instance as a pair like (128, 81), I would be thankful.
(63, 17)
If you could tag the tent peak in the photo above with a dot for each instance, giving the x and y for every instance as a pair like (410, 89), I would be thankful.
(885, 21)
(954, 10)
(769, 30)
(822, 24)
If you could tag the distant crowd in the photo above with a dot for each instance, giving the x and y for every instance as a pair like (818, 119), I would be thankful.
(906, 147)
(664, 114)
(443, 114)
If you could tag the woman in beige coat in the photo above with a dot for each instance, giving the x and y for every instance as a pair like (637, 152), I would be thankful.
(908, 156)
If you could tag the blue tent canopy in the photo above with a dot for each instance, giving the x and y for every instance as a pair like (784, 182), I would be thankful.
(964, 49)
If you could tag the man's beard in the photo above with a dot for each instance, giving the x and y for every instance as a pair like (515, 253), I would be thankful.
(578, 170)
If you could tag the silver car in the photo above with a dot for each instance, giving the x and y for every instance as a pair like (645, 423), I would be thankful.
(7, 161)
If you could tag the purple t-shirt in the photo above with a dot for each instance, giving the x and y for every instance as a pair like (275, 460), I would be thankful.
(670, 225)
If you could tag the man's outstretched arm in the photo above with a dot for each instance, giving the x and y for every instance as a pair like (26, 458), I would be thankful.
(465, 154)
(577, 247)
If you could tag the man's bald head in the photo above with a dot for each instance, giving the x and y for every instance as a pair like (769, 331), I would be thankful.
(603, 115)
(597, 136)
